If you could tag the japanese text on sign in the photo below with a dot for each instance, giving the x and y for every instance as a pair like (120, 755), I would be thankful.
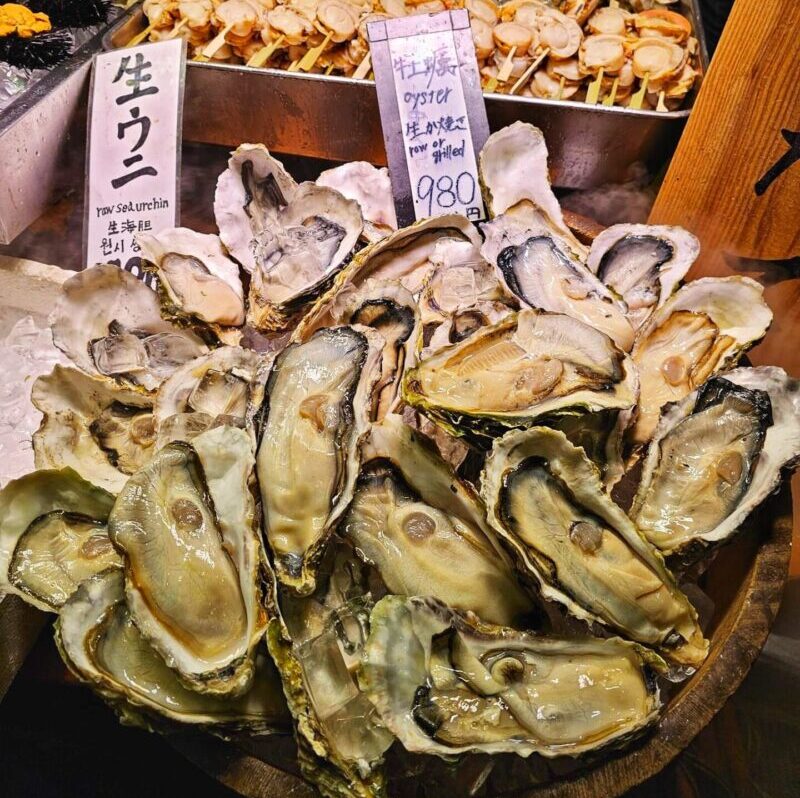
(134, 150)
(429, 76)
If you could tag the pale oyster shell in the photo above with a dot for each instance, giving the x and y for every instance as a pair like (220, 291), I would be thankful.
(197, 277)
(52, 536)
(189, 532)
(103, 430)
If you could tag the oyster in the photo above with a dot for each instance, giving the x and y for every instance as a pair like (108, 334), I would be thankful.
(188, 529)
(103, 430)
(539, 269)
(461, 295)
(513, 169)
(224, 382)
(701, 330)
(52, 536)
(530, 366)
(546, 501)
(424, 529)
(390, 309)
(371, 189)
(341, 742)
(644, 264)
(446, 684)
(319, 395)
(715, 456)
(196, 278)
(249, 196)
(292, 239)
(102, 647)
(109, 324)
(406, 256)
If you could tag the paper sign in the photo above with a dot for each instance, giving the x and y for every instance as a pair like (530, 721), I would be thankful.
(133, 156)
(432, 113)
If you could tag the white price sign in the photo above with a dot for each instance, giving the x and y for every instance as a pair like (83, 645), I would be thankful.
(432, 113)
(133, 157)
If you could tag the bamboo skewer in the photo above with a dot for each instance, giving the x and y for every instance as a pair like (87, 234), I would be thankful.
(293, 66)
(263, 55)
(364, 67)
(310, 58)
(638, 98)
(562, 83)
(140, 37)
(178, 28)
(612, 95)
(211, 48)
(528, 73)
(593, 92)
(505, 71)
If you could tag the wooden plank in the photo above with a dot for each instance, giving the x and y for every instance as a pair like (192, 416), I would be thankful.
(735, 178)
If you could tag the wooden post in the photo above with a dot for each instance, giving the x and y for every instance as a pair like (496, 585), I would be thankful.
(735, 178)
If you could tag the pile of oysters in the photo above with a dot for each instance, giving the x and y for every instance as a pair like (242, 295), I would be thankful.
(364, 483)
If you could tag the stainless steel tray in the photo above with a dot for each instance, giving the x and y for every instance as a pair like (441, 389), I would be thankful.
(337, 118)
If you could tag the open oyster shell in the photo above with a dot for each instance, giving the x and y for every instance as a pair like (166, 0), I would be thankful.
(424, 530)
(109, 324)
(291, 239)
(388, 308)
(52, 536)
(248, 198)
(317, 646)
(406, 256)
(225, 382)
(102, 647)
(546, 501)
(513, 169)
(196, 278)
(530, 366)
(446, 684)
(371, 188)
(644, 264)
(318, 395)
(715, 456)
(188, 529)
(461, 295)
(704, 328)
(538, 268)
(105, 431)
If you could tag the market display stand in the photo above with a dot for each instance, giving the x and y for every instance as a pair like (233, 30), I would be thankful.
(735, 178)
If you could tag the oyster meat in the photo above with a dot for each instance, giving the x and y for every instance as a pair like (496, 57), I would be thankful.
(546, 501)
(187, 527)
(109, 324)
(531, 365)
(424, 529)
(371, 189)
(643, 264)
(715, 456)
(704, 328)
(102, 647)
(538, 268)
(390, 309)
(448, 684)
(196, 277)
(318, 396)
(105, 431)
(53, 536)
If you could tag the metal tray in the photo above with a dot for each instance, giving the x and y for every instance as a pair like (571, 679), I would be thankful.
(337, 118)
